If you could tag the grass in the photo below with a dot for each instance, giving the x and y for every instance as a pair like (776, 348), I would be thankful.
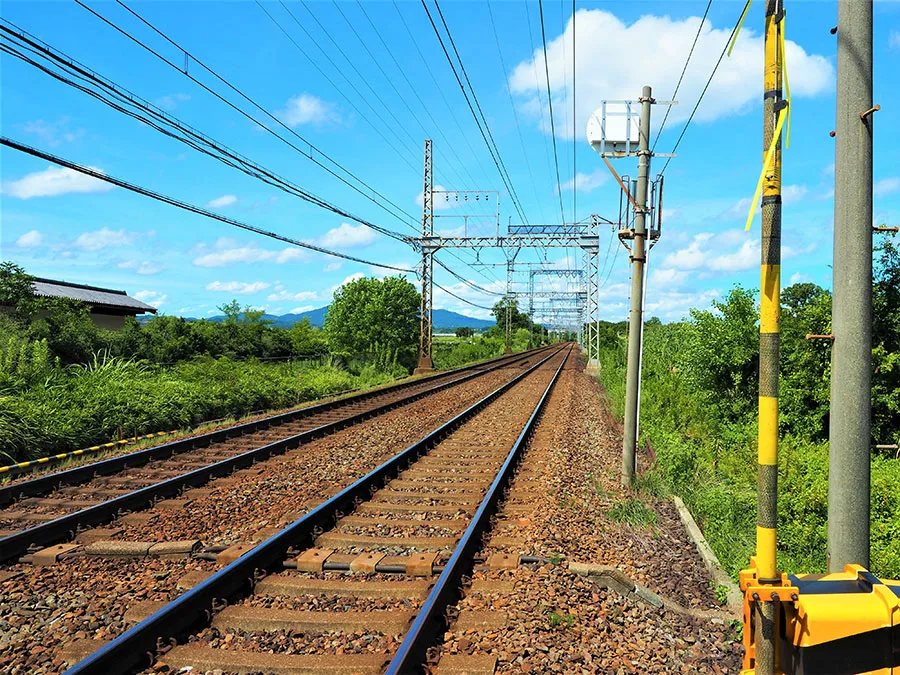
(634, 512)
(710, 462)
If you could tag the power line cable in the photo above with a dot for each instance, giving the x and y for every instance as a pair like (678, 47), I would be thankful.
(312, 148)
(99, 175)
(515, 114)
(437, 86)
(562, 214)
(405, 159)
(681, 77)
(128, 103)
(446, 145)
(705, 87)
(468, 302)
(485, 134)
(470, 284)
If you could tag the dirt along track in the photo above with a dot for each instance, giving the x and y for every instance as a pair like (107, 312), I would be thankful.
(87, 596)
(74, 490)
(578, 611)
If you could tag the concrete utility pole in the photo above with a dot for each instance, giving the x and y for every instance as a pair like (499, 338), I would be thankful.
(636, 319)
(851, 317)
(769, 341)
(426, 364)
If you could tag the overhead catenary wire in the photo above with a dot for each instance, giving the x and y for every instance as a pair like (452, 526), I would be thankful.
(99, 175)
(562, 215)
(705, 88)
(681, 77)
(130, 104)
(314, 154)
(446, 145)
(467, 282)
(512, 105)
(340, 91)
(482, 128)
(461, 299)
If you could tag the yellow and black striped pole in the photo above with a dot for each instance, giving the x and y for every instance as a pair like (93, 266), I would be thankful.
(770, 300)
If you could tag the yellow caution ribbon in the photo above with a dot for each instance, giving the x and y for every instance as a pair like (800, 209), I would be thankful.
(739, 24)
(770, 154)
(787, 85)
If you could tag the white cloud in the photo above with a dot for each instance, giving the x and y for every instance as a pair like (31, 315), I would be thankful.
(54, 181)
(154, 298)
(586, 182)
(53, 133)
(691, 257)
(104, 238)
(348, 236)
(797, 277)
(308, 109)
(238, 287)
(282, 294)
(886, 186)
(333, 265)
(300, 310)
(667, 277)
(602, 38)
(227, 252)
(347, 280)
(745, 258)
(172, 101)
(894, 39)
(141, 267)
(30, 239)
(220, 202)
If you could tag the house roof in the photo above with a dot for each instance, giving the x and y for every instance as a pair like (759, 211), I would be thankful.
(92, 295)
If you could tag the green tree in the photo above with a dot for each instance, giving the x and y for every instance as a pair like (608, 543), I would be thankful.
(721, 356)
(375, 317)
(506, 312)
(465, 332)
(306, 340)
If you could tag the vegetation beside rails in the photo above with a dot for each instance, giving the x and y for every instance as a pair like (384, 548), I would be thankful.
(698, 399)
(80, 406)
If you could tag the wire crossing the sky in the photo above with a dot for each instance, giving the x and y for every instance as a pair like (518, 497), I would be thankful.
(99, 175)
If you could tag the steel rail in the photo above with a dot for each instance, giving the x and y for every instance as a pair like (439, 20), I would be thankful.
(80, 474)
(130, 650)
(430, 622)
(16, 545)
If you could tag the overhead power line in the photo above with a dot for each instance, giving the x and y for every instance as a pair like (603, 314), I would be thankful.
(681, 77)
(562, 214)
(481, 122)
(314, 154)
(99, 175)
(467, 282)
(705, 87)
(468, 302)
(128, 103)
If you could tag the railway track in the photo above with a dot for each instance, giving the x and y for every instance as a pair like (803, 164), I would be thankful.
(45, 510)
(360, 583)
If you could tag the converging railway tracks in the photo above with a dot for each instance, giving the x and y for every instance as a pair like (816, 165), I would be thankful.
(110, 577)
(41, 511)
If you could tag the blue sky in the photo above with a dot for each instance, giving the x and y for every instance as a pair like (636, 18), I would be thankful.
(372, 116)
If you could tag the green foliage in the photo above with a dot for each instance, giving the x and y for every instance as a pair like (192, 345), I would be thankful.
(565, 620)
(634, 512)
(465, 332)
(372, 315)
(698, 411)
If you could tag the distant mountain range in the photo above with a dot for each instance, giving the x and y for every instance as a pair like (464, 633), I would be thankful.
(441, 318)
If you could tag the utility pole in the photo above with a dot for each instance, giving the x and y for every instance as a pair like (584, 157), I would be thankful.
(426, 364)
(851, 317)
(636, 319)
(769, 341)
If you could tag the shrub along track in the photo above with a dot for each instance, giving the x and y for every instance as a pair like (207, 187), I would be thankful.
(418, 514)
(87, 596)
(44, 510)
